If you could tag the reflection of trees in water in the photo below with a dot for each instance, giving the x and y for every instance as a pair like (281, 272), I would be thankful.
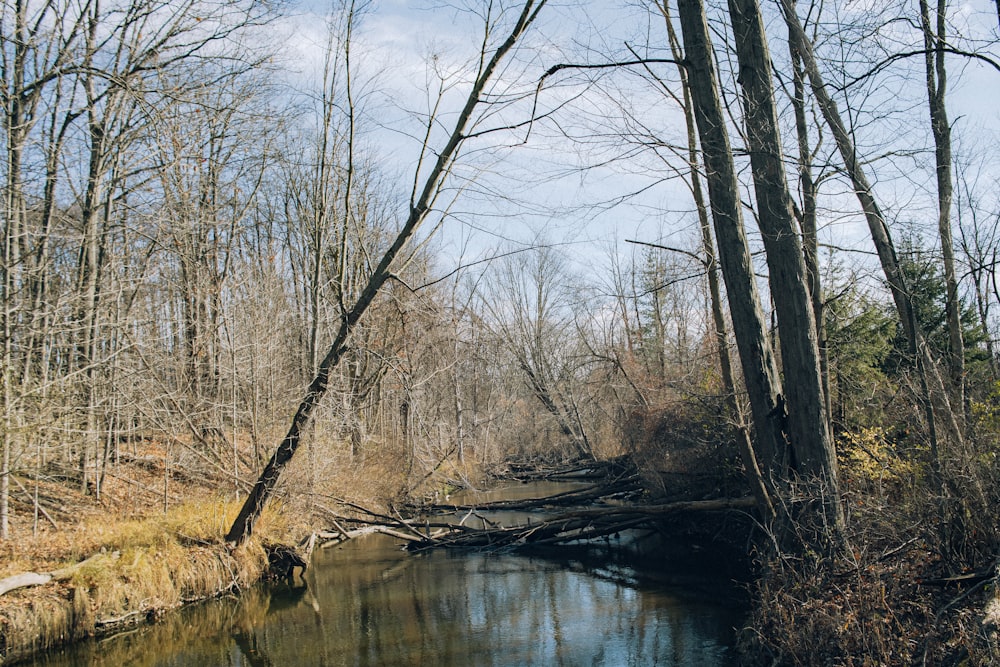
(444, 608)
(196, 635)
(280, 597)
(369, 604)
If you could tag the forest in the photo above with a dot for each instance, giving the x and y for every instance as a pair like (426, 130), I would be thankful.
(283, 257)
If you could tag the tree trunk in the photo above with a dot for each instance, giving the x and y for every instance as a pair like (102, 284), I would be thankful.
(808, 422)
(807, 220)
(936, 75)
(749, 325)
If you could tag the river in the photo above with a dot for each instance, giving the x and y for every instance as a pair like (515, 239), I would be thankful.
(368, 602)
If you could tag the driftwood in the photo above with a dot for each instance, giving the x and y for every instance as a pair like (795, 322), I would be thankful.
(596, 511)
(26, 579)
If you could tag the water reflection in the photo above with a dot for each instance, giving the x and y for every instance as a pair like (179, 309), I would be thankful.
(368, 603)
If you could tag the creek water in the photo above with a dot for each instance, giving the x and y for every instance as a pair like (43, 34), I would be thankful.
(368, 602)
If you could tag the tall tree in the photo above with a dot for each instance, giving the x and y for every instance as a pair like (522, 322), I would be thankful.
(935, 40)
(809, 193)
(760, 370)
(692, 175)
(815, 460)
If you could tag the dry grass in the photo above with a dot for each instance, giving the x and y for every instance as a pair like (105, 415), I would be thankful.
(872, 612)
(894, 599)
(150, 564)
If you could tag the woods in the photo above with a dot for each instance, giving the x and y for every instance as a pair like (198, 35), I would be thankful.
(351, 265)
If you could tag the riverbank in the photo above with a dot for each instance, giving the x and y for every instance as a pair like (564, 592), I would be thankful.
(91, 564)
(152, 541)
(104, 575)
(370, 601)
(889, 599)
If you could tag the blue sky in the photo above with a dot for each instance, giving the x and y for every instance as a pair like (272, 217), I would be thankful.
(580, 192)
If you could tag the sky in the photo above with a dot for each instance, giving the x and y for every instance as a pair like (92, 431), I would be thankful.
(579, 193)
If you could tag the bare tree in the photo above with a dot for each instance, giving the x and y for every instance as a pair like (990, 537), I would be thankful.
(420, 207)
(529, 311)
(808, 213)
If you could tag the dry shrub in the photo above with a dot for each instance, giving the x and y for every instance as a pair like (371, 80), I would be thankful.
(892, 599)
(871, 612)
(684, 446)
(810, 616)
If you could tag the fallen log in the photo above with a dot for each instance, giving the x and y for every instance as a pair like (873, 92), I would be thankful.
(26, 579)
(577, 526)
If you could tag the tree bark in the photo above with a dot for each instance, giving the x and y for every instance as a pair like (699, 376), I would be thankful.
(815, 460)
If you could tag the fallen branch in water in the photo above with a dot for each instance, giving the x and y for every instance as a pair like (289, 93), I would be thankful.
(566, 472)
(576, 526)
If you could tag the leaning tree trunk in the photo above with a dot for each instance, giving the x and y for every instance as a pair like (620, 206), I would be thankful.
(420, 208)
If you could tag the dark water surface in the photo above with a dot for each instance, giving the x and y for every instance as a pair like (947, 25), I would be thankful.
(369, 603)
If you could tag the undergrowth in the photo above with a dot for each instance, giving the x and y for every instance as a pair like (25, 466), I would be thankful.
(917, 584)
